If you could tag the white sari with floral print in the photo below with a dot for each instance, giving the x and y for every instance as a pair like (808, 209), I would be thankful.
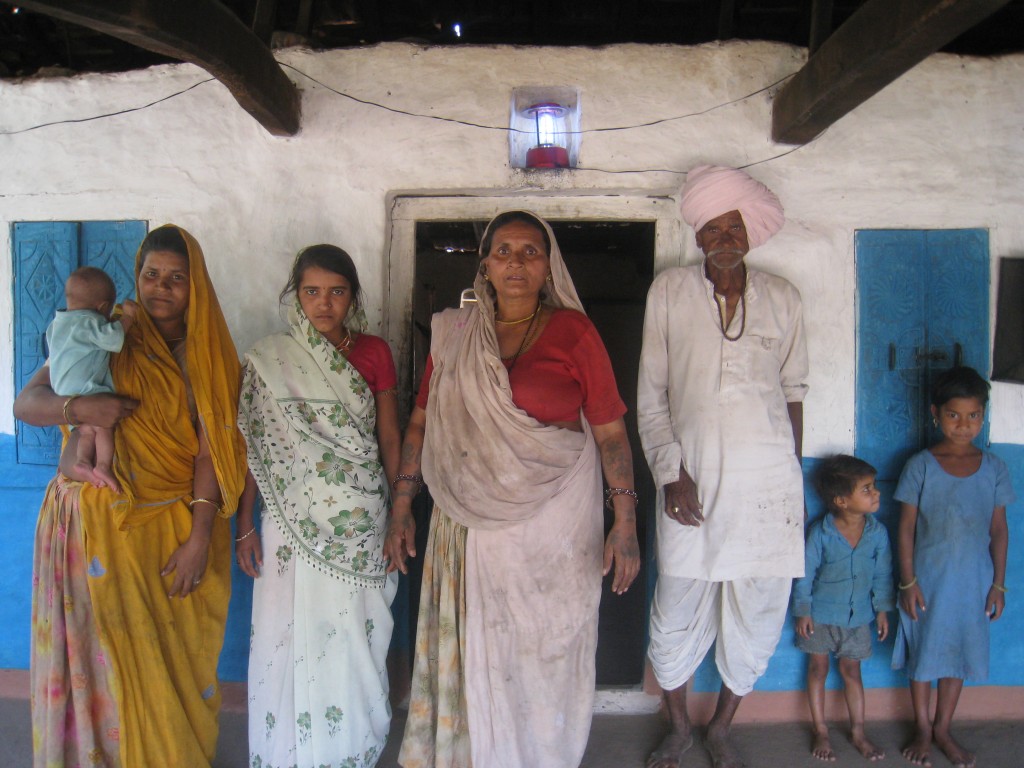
(321, 624)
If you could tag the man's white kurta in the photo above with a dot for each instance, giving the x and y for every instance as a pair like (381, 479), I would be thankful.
(721, 406)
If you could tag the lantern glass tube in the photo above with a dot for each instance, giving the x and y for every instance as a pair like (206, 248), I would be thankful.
(550, 134)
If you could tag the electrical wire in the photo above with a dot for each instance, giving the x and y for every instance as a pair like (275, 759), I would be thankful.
(108, 114)
(456, 121)
(506, 128)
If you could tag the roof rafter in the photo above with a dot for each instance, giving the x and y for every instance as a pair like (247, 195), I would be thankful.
(202, 32)
(881, 41)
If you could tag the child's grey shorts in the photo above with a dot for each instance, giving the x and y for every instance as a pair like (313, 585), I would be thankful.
(842, 642)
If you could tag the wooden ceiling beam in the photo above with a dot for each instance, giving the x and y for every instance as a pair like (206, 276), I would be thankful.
(881, 41)
(821, 24)
(202, 32)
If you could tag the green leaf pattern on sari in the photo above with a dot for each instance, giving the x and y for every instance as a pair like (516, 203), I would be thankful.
(310, 434)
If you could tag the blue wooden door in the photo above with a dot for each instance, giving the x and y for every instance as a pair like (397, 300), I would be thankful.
(923, 299)
(111, 246)
(45, 253)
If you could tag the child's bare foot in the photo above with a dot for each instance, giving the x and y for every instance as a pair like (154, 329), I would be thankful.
(866, 748)
(821, 747)
(958, 756)
(106, 478)
(723, 753)
(85, 472)
(917, 751)
(669, 753)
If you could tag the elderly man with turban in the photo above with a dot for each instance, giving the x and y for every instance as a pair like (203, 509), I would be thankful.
(719, 402)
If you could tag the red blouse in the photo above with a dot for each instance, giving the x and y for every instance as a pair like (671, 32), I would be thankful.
(567, 369)
(371, 356)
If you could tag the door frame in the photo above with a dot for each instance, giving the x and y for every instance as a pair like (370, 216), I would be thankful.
(404, 209)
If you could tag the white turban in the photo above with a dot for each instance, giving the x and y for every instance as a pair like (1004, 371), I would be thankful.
(713, 190)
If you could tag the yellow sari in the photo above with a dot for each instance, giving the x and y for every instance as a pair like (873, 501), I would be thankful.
(160, 653)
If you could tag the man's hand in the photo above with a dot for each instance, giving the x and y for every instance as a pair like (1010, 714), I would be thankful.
(681, 503)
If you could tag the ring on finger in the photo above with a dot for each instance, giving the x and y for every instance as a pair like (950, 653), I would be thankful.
(675, 510)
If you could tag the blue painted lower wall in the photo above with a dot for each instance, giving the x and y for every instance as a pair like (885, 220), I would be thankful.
(21, 491)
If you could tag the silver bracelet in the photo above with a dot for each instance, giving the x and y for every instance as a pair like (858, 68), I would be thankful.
(618, 492)
(246, 535)
(418, 479)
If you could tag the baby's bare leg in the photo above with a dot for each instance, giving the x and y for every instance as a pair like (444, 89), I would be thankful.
(81, 445)
(104, 439)
(853, 688)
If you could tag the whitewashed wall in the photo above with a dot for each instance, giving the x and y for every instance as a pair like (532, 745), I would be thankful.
(943, 147)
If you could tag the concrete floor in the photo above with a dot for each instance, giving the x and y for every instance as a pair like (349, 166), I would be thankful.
(623, 741)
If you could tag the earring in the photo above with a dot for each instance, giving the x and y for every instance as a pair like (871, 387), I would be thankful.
(548, 278)
(935, 422)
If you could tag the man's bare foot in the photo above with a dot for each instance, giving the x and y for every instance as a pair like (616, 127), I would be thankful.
(723, 753)
(958, 756)
(105, 478)
(670, 752)
(917, 751)
(866, 748)
(821, 747)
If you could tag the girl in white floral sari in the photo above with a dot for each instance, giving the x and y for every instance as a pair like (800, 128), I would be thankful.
(320, 419)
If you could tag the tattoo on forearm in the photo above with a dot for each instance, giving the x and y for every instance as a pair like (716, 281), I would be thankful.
(411, 455)
(617, 461)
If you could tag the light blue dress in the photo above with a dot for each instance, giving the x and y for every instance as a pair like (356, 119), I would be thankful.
(953, 567)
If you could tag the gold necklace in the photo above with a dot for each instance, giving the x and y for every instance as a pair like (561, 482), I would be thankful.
(520, 320)
(345, 344)
(522, 344)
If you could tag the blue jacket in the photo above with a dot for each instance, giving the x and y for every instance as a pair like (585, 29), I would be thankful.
(843, 586)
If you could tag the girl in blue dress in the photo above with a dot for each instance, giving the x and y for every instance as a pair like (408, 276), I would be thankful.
(952, 558)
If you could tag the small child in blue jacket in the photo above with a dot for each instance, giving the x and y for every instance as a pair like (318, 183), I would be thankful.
(847, 582)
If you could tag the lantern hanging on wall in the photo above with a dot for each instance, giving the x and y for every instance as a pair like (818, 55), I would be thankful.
(544, 127)
(550, 149)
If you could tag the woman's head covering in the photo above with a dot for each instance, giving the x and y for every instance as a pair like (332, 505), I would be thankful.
(713, 190)
(158, 442)
(560, 292)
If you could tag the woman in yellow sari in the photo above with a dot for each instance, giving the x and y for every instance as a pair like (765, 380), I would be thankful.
(130, 590)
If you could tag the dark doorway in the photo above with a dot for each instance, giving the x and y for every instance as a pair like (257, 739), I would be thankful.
(612, 265)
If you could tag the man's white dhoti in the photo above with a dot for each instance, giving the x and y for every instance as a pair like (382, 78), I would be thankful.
(687, 615)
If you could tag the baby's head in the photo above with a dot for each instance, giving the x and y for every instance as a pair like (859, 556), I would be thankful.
(838, 480)
(90, 288)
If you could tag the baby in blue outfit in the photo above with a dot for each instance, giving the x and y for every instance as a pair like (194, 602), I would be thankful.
(80, 340)
(847, 582)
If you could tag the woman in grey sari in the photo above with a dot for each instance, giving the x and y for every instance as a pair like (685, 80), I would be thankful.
(517, 416)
